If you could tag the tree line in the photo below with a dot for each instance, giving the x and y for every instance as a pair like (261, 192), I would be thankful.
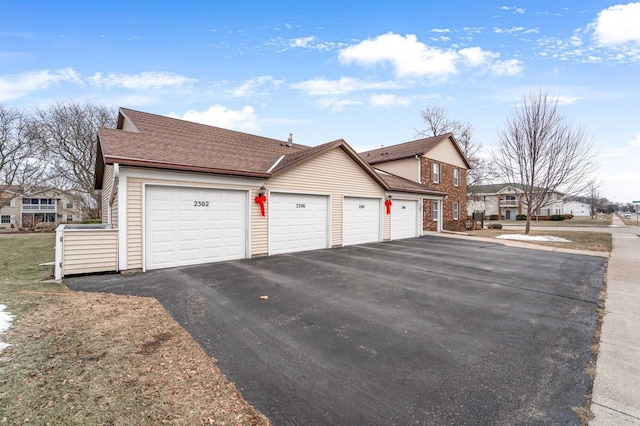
(52, 147)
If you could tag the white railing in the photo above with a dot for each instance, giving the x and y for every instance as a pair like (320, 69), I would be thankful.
(38, 208)
(508, 203)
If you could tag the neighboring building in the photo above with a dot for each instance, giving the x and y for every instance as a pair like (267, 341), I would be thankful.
(506, 200)
(27, 207)
(180, 193)
(437, 162)
(576, 208)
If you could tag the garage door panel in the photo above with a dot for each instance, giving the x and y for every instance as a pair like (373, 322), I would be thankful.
(404, 219)
(297, 222)
(180, 233)
(361, 220)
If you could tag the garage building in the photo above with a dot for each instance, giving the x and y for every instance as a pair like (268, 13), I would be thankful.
(181, 193)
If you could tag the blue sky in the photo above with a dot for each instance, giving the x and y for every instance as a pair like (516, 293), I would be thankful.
(323, 70)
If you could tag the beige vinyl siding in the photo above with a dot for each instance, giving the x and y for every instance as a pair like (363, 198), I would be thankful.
(445, 152)
(114, 212)
(89, 251)
(106, 191)
(333, 173)
(386, 225)
(408, 168)
(134, 223)
(259, 227)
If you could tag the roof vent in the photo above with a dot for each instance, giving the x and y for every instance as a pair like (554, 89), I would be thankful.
(290, 140)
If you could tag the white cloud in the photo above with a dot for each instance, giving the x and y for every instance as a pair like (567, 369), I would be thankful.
(323, 87)
(312, 43)
(388, 100)
(145, 80)
(410, 57)
(475, 56)
(441, 30)
(220, 116)
(336, 104)
(15, 86)
(251, 87)
(636, 141)
(618, 25)
(508, 67)
(407, 55)
(508, 30)
(519, 10)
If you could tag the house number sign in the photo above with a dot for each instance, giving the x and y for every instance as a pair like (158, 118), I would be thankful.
(301, 206)
(201, 204)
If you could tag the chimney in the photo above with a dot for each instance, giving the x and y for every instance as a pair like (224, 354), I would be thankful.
(290, 140)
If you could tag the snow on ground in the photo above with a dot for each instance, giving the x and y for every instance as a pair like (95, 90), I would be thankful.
(520, 237)
(5, 322)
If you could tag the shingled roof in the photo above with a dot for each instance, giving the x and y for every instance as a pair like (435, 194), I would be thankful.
(400, 184)
(169, 143)
(409, 149)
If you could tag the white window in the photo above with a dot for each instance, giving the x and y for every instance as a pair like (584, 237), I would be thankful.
(434, 207)
(5, 218)
(12, 203)
(69, 218)
(456, 177)
(456, 208)
(435, 173)
(69, 204)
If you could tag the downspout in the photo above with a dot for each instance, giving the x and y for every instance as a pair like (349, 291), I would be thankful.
(419, 169)
(114, 188)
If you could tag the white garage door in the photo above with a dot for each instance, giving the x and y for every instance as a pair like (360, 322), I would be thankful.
(297, 222)
(361, 220)
(404, 219)
(187, 226)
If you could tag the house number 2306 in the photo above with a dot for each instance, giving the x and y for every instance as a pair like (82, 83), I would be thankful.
(201, 204)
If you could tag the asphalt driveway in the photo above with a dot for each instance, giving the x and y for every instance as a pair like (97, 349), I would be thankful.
(428, 330)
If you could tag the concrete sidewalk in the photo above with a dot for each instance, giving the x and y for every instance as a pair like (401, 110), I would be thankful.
(616, 389)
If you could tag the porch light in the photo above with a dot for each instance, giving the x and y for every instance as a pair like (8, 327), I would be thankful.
(262, 191)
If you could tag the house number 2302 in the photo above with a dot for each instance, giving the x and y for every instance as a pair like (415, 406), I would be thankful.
(201, 204)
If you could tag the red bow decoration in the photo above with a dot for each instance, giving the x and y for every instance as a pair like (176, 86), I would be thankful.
(388, 204)
(261, 199)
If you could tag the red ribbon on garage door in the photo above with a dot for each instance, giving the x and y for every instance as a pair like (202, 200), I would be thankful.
(261, 199)
(388, 204)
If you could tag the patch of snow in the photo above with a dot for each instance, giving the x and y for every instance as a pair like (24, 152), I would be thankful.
(520, 237)
(5, 322)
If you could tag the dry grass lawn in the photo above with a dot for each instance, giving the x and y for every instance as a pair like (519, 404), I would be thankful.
(79, 358)
(592, 241)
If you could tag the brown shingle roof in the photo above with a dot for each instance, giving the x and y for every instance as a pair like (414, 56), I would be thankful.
(400, 184)
(409, 149)
(165, 142)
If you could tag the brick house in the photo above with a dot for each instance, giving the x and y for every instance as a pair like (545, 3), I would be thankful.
(437, 162)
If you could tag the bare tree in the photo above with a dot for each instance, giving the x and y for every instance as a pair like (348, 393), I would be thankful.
(540, 149)
(592, 194)
(21, 158)
(69, 131)
(438, 123)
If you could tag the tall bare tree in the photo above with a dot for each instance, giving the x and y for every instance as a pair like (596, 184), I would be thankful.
(69, 131)
(592, 194)
(438, 123)
(545, 153)
(21, 157)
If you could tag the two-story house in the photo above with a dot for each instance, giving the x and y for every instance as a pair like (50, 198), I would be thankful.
(27, 207)
(506, 201)
(437, 162)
